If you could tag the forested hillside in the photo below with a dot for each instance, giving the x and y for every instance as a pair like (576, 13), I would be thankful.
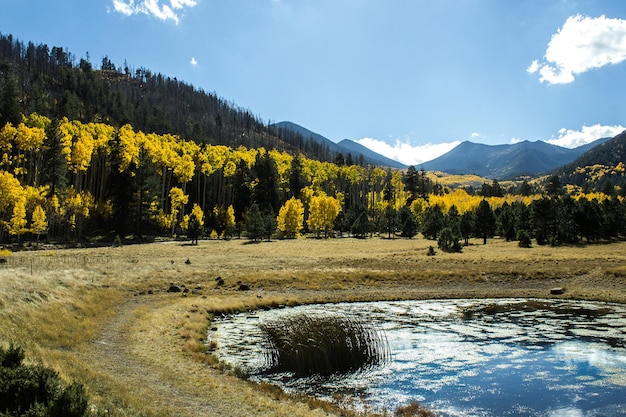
(53, 82)
(600, 168)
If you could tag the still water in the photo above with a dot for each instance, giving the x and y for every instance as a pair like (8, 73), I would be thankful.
(488, 358)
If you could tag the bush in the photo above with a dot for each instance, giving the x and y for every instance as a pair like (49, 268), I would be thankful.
(524, 239)
(413, 409)
(322, 345)
(448, 241)
(34, 390)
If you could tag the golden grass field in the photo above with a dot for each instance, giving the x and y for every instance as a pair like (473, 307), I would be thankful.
(102, 316)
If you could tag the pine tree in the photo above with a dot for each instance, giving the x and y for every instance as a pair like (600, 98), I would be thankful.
(255, 224)
(485, 220)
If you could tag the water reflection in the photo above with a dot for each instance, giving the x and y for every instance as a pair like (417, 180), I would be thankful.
(471, 357)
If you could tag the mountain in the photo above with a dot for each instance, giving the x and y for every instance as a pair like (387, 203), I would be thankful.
(371, 157)
(506, 161)
(597, 165)
(359, 153)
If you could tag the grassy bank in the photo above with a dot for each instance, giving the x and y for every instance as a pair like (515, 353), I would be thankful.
(103, 316)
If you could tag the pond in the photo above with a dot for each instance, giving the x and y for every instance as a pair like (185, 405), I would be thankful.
(514, 357)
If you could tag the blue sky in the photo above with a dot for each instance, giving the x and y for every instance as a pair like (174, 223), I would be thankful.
(407, 78)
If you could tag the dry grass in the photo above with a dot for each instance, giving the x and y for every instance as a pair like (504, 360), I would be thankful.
(92, 313)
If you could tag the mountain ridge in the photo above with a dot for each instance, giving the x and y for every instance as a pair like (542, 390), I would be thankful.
(344, 147)
(506, 161)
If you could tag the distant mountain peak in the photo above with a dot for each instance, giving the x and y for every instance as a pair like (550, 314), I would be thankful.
(345, 147)
(506, 161)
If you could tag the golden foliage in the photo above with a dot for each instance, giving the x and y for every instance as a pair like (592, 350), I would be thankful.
(291, 218)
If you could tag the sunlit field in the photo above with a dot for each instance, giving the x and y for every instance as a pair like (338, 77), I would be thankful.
(104, 316)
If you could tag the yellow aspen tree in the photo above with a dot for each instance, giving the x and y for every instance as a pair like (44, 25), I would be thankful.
(418, 207)
(177, 200)
(230, 222)
(10, 191)
(290, 219)
(323, 211)
(17, 224)
(128, 147)
(7, 137)
(39, 223)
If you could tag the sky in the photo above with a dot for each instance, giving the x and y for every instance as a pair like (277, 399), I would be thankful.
(409, 79)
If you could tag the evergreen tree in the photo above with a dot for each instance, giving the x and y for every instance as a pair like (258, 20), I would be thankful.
(467, 225)
(411, 183)
(270, 224)
(361, 225)
(296, 177)
(408, 222)
(241, 190)
(485, 220)
(266, 188)
(505, 219)
(432, 222)
(448, 241)
(255, 223)
(9, 97)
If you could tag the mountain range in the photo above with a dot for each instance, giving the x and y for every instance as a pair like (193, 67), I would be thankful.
(501, 162)
(507, 161)
(345, 147)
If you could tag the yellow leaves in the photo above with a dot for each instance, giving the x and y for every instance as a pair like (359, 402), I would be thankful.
(17, 224)
(230, 216)
(29, 138)
(128, 147)
(197, 212)
(7, 136)
(291, 218)
(39, 223)
(177, 198)
(323, 211)
(10, 191)
(184, 168)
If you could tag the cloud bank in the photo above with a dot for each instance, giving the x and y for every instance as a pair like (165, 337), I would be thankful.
(407, 153)
(582, 44)
(171, 10)
(575, 138)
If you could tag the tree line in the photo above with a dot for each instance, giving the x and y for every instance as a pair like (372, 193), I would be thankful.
(65, 180)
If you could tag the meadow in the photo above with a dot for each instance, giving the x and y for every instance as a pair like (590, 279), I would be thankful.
(105, 316)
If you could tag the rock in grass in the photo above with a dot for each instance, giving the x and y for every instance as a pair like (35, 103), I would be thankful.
(174, 288)
(557, 291)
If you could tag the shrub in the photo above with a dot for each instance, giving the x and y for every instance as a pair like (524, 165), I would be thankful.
(322, 345)
(413, 409)
(34, 390)
(524, 239)
(448, 241)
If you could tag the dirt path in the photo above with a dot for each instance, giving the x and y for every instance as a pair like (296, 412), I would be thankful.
(173, 384)
(167, 391)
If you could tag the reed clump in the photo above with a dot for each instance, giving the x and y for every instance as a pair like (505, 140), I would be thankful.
(323, 345)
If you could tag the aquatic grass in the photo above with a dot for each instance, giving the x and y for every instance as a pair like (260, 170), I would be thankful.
(322, 345)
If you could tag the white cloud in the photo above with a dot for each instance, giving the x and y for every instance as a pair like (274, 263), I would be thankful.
(575, 138)
(407, 153)
(582, 44)
(168, 11)
(193, 61)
